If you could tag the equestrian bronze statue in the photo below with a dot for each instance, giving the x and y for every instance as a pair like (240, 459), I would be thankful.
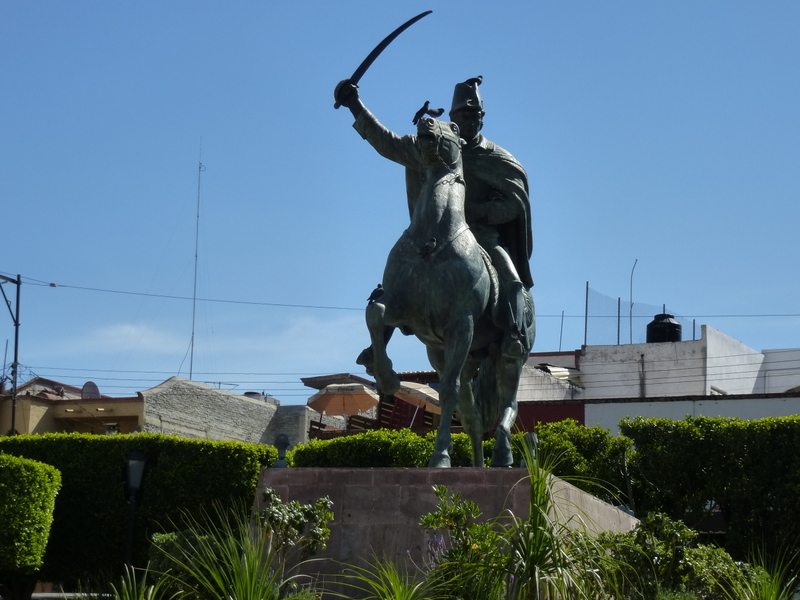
(459, 284)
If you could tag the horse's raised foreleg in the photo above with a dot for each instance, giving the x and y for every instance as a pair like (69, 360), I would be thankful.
(365, 358)
(456, 350)
(379, 333)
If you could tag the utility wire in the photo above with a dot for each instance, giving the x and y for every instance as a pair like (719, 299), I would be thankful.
(40, 283)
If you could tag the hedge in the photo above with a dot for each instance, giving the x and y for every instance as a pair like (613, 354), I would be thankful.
(750, 470)
(374, 448)
(89, 529)
(27, 496)
(585, 453)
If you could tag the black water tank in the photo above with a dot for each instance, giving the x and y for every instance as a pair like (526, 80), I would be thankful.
(663, 328)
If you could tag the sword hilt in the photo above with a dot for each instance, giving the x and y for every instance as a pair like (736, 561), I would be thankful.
(339, 87)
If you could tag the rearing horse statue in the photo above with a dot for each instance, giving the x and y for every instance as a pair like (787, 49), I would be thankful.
(439, 285)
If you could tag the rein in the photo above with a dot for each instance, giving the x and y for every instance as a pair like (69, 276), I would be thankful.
(442, 245)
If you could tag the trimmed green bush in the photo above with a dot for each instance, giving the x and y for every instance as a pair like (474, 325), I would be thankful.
(380, 448)
(27, 496)
(749, 470)
(374, 448)
(28, 492)
(89, 530)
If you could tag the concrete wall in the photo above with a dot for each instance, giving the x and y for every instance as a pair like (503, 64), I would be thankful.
(377, 511)
(294, 421)
(642, 370)
(190, 409)
(568, 360)
(34, 415)
(535, 384)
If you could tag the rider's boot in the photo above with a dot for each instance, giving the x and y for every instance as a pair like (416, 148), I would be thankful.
(514, 342)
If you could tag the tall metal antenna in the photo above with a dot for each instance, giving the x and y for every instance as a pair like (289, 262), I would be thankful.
(200, 169)
(630, 318)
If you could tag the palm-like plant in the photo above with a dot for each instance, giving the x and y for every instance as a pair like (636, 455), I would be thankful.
(551, 556)
(136, 587)
(542, 556)
(232, 556)
(381, 579)
(772, 578)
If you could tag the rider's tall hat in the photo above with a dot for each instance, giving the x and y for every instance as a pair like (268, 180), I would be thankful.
(467, 96)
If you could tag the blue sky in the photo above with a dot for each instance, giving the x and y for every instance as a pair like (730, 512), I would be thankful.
(661, 134)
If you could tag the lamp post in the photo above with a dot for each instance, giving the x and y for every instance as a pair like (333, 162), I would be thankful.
(15, 365)
(134, 476)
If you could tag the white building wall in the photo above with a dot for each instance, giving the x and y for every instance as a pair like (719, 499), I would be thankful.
(644, 370)
(714, 364)
(781, 370)
(733, 368)
(608, 415)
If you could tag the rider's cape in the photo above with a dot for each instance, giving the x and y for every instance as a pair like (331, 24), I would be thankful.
(496, 167)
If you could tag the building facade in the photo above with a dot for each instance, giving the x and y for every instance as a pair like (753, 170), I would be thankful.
(713, 376)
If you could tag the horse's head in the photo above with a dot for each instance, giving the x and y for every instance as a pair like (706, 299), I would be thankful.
(439, 143)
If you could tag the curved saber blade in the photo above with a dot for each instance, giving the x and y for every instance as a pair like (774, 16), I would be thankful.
(367, 62)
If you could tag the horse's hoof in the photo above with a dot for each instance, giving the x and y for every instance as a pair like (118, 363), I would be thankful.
(502, 457)
(366, 359)
(389, 385)
(439, 460)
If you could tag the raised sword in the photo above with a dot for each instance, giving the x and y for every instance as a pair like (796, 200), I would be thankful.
(367, 62)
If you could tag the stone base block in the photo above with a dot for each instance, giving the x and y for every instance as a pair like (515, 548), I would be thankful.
(377, 511)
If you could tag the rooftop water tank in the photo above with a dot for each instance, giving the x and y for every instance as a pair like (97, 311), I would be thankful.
(663, 328)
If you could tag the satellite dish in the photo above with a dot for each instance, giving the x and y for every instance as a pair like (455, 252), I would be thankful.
(90, 390)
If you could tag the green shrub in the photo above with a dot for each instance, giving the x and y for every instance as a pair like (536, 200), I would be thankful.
(664, 560)
(590, 457)
(27, 496)
(89, 529)
(28, 492)
(750, 470)
(374, 448)
(586, 452)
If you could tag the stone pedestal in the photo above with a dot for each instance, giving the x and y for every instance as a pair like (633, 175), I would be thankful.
(377, 511)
